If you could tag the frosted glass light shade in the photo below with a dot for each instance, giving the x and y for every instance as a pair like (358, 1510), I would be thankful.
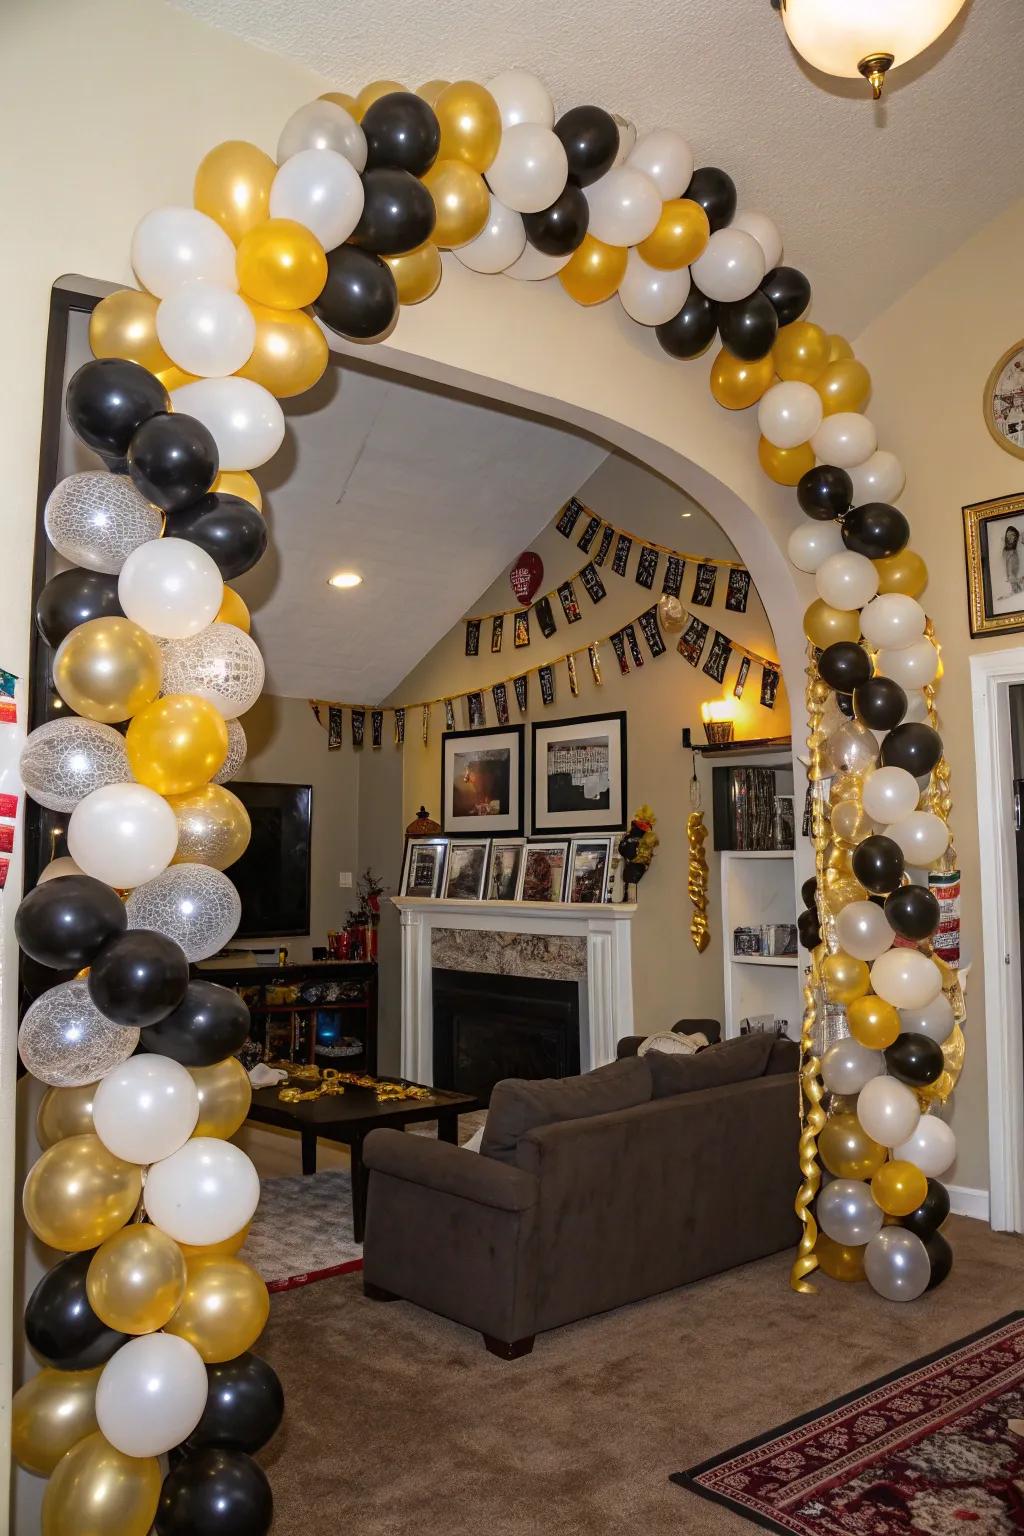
(835, 35)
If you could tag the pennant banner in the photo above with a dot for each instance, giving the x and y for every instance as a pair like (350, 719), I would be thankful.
(594, 653)
(741, 678)
(571, 513)
(497, 630)
(358, 726)
(718, 657)
(605, 545)
(546, 678)
(621, 558)
(634, 645)
(521, 634)
(399, 727)
(521, 686)
(588, 535)
(475, 705)
(425, 724)
(545, 617)
(570, 607)
(769, 686)
(473, 637)
(691, 641)
(673, 583)
(574, 682)
(499, 693)
(651, 632)
(376, 727)
(647, 567)
(335, 727)
(738, 591)
(704, 585)
(592, 583)
(619, 647)
(449, 715)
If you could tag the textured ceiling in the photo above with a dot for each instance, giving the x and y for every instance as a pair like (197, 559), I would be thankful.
(868, 197)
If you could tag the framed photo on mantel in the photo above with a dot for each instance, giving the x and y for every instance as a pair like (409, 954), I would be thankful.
(579, 774)
(482, 781)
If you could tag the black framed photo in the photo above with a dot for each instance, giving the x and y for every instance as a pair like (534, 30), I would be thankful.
(482, 781)
(579, 774)
(994, 548)
(423, 874)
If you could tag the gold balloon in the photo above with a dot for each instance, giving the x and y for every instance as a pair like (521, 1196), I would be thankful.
(823, 624)
(785, 465)
(461, 201)
(64, 1112)
(233, 186)
(954, 1049)
(847, 1150)
(431, 90)
(176, 743)
(844, 386)
(470, 124)
(416, 272)
(50, 1414)
(233, 611)
(737, 384)
(230, 1245)
(124, 325)
(239, 482)
(96, 1490)
(175, 377)
(873, 1023)
(899, 1187)
(371, 93)
(341, 99)
(838, 347)
(845, 979)
(905, 572)
(671, 614)
(224, 1309)
(281, 264)
(225, 1095)
(800, 352)
(838, 1261)
(850, 824)
(213, 826)
(108, 669)
(846, 786)
(136, 1279)
(290, 354)
(78, 1194)
(678, 238)
(594, 271)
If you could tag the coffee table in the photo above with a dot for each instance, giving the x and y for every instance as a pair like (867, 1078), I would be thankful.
(350, 1116)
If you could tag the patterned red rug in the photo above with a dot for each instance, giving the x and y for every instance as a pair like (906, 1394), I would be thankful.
(937, 1448)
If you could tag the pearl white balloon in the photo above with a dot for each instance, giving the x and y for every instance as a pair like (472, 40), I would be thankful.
(530, 169)
(922, 836)
(847, 1065)
(123, 834)
(58, 868)
(66, 1042)
(521, 98)
(917, 707)
(932, 1147)
(146, 1108)
(880, 478)
(907, 979)
(320, 189)
(811, 543)
(206, 329)
(96, 519)
(847, 1212)
(863, 930)
(171, 588)
(246, 421)
(500, 242)
(203, 1193)
(64, 760)
(667, 159)
(151, 1394)
(934, 1019)
(886, 1108)
(221, 664)
(627, 139)
(534, 266)
(172, 246)
(765, 231)
(912, 666)
(323, 125)
(897, 1265)
(624, 207)
(893, 620)
(845, 439)
(789, 412)
(650, 296)
(889, 794)
(847, 580)
(729, 268)
(196, 906)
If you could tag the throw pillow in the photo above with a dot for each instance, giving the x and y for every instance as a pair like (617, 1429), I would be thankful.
(673, 1044)
(730, 1061)
(785, 1056)
(519, 1105)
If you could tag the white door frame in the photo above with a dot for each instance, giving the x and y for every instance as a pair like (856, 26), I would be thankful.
(992, 674)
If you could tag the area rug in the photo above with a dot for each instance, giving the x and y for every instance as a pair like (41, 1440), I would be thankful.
(302, 1230)
(936, 1448)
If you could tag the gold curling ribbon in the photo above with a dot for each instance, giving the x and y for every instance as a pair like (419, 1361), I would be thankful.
(697, 886)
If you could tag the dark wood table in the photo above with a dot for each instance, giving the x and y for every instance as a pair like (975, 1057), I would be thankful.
(350, 1116)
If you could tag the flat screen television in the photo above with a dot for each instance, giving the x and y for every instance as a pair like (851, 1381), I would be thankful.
(272, 876)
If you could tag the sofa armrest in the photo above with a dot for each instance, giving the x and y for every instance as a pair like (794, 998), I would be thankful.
(449, 1170)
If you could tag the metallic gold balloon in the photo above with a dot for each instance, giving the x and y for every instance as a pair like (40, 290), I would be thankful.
(873, 1023)
(96, 1490)
(800, 352)
(233, 186)
(850, 824)
(470, 124)
(281, 264)
(838, 1261)
(233, 611)
(905, 572)
(843, 386)
(847, 1150)
(176, 378)
(899, 1187)
(845, 979)
(225, 1094)
(136, 1279)
(177, 743)
(737, 384)
(64, 1112)
(594, 271)
(678, 238)
(341, 99)
(416, 273)
(431, 90)
(213, 826)
(841, 890)
(369, 94)
(108, 669)
(671, 614)
(290, 354)
(50, 1414)
(224, 1309)
(239, 482)
(230, 1245)
(846, 786)
(954, 1050)
(78, 1194)
(124, 325)
(785, 465)
(461, 201)
(823, 624)
(838, 348)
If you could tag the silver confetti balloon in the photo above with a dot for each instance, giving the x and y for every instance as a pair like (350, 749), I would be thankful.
(195, 906)
(96, 519)
(220, 664)
(65, 760)
(238, 748)
(65, 1041)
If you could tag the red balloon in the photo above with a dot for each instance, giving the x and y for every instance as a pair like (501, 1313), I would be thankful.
(526, 576)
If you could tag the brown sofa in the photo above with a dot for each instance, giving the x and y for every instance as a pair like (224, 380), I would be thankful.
(589, 1192)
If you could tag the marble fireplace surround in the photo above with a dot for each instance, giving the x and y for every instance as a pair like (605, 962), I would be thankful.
(562, 941)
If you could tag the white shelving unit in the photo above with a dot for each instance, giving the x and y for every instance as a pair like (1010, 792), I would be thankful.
(759, 888)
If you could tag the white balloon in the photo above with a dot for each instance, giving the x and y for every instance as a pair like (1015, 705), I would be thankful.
(172, 246)
(922, 836)
(811, 543)
(880, 478)
(146, 1108)
(650, 296)
(206, 329)
(845, 439)
(789, 412)
(534, 266)
(906, 978)
(196, 906)
(847, 580)
(246, 421)
(627, 139)
(58, 868)
(863, 930)
(912, 666)
(935, 1019)
(893, 620)
(729, 268)
(322, 190)
(765, 231)
(896, 1264)
(847, 1065)
(530, 169)
(932, 1147)
(624, 207)
(323, 125)
(171, 588)
(889, 794)
(64, 760)
(151, 1394)
(222, 664)
(667, 159)
(203, 1193)
(917, 707)
(887, 1109)
(500, 242)
(848, 1213)
(96, 519)
(521, 98)
(123, 834)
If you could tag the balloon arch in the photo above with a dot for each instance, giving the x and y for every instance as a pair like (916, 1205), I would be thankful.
(145, 1328)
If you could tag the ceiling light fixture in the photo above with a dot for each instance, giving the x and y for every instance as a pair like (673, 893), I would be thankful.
(344, 579)
(864, 37)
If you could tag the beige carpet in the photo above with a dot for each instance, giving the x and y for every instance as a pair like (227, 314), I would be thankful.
(400, 1424)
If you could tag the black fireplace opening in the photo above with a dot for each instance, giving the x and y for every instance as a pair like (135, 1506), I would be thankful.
(487, 1028)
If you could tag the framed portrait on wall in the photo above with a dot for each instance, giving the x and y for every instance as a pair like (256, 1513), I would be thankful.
(994, 548)
(544, 869)
(579, 774)
(503, 868)
(423, 874)
(466, 870)
(482, 781)
(1003, 401)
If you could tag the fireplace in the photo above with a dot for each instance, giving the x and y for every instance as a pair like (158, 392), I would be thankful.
(488, 1027)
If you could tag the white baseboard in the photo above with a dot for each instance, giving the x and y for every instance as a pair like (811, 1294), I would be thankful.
(968, 1202)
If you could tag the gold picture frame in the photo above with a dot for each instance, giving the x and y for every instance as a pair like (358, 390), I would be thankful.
(995, 566)
(1003, 404)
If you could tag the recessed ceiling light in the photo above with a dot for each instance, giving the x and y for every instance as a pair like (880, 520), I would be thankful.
(344, 579)
(686, 514)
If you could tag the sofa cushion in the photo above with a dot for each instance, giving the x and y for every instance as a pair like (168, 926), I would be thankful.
(730, 1061)
(785, 1056)
(519, 1105)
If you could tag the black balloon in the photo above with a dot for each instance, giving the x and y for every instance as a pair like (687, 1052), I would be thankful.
(913, 746)
(825, 492)
(844, 704)
(809, 891)
(930, 1214)
(940, 1257)
(360, 296)
(844, 665)
(875, 530)
(212, 1492)
(809, 929)
(789, 292)
(61, 1326)
(74, 597)
(37, 979)
(715, 191)
(878, 864)
(913, 912)
(591, 140)
(229, 528)
(138, 978)
(914, 1059)
(402, 133)
(748, 327)
(244, 1406)
(880, 704)
(211, 1022)
(109, 399)
(560, 228)
(398, 214)
(173, 460)
(693, 329)
(66, 922)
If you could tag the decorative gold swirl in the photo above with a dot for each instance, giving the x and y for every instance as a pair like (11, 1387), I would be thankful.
(697, 886)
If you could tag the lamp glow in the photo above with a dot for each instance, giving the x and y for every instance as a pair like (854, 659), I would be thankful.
(865, 37)
(718, 716)
(344, 579)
